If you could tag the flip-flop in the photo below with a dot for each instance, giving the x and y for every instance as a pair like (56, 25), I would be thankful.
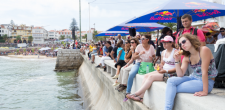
(138, 100)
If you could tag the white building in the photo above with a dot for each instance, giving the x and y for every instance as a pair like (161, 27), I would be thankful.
(4, 30)
(39, 35)
(65, 32)
(53, 34)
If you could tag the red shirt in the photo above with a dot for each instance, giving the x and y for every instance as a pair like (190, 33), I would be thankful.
(200, 34)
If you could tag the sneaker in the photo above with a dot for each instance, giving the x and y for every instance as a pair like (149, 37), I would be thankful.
(116, 76)
(105, 69)
(98, 66)
(115, 84)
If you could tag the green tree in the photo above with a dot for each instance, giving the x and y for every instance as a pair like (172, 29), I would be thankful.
(18, 38)
(74, 24)
(32, 50)
(17, 50)
(94, 34)
(5, 37)
(24, 50)
(85, 37)
(30, 39)
(172, 26)
(62, 37)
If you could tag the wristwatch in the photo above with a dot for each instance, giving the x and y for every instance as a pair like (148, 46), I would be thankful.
(177, 62)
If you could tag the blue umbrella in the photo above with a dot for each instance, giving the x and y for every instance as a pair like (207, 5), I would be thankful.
(172, 11)
(140, 27)
(113, 33)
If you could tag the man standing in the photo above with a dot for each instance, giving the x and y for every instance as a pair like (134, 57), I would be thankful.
(107, 57)
(222, 34)
(186, 20)
(120, 38)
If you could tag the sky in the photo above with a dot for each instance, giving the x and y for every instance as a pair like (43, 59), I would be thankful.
(58, 14)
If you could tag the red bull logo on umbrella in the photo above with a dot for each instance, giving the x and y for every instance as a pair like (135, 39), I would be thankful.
(194, 3)
(124, 28)
(199, 10)
(165, 13)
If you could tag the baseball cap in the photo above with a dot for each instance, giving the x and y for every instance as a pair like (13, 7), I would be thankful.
(167, 39)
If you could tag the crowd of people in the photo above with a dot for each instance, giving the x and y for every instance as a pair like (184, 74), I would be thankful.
(172, 58)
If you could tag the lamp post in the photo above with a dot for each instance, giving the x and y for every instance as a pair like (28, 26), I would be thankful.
(89, 13)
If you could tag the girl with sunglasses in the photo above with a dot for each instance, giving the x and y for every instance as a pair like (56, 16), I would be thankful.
(143, 53)
(123, 57)
(123, 76)
(167, 66)
(201, 60)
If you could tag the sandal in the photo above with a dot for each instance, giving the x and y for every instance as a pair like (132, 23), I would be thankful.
(140, 99)
(129, 97)
(125, 99)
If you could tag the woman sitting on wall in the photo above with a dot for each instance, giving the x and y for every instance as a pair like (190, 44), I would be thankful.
(201, 60)
(123, 76)
(167, 66)
(123, 56)
(143, 53)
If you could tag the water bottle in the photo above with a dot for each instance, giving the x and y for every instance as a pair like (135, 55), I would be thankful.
(147, 69)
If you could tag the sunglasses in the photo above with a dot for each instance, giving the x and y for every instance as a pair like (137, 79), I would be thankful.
(144, 38)
(132, 42)
(126, 42)
(221, 31)
(182, 42)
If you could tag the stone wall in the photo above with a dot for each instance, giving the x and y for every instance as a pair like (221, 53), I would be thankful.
(68, 59)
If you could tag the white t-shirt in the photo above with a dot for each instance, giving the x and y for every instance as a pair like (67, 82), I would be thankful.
(145, 57)
(170, 61)
(220, 36)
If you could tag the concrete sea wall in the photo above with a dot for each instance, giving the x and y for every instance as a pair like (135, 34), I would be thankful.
(68, 59)
(99, 94)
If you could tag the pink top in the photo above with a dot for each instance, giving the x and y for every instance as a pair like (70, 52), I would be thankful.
(145, 57)
(200, 34)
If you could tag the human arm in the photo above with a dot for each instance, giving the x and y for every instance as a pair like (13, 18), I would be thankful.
(180, 69)
(205, 57)
(112, 52)
(127, 55)
(131, 61)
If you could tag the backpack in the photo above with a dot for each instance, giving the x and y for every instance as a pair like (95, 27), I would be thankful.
(195, 32)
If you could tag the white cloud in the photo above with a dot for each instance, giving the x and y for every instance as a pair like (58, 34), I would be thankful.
(58, 13)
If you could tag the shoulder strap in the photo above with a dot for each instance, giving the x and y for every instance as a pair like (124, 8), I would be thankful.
(181, 32)
(195, 31)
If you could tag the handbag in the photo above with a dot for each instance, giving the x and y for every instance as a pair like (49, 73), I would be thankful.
(142, 68)
(166, 76)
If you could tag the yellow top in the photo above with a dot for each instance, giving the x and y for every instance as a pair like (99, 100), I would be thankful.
(90, 48)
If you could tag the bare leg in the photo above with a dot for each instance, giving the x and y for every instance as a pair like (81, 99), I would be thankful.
(147, 84)
(118, 70)
(93, 58)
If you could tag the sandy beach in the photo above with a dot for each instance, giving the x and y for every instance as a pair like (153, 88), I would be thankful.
(30, 57)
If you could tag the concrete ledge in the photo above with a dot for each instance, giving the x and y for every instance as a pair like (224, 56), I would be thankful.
(154, 98)
(98, 90)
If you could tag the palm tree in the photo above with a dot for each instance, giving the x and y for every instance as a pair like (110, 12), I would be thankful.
(172, 26)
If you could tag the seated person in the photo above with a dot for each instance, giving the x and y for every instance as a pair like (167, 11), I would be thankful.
(114, 54)
(107, 57)
(167, 66)
(123, 76)
(123, 57)
(201, 60)
(143, 53)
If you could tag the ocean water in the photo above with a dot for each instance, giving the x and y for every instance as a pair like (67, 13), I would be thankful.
(31, 84)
